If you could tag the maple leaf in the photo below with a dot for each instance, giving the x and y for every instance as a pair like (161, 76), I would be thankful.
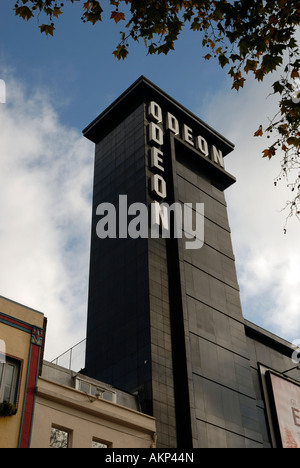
(223, 60)
(121, 52)
(293, 141)
(56, 12)
(251, 65)
(238, 83)
(282, 129)
(295, 74)
(259, 132)
(47, 29)
(24, 12)
(117, 16)
(269, 153)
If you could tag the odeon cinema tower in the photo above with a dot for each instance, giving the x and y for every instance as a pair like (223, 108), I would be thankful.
(164, 313)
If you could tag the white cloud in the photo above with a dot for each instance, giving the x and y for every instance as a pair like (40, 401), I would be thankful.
(46, 172)
(2, 92)
(268, 261)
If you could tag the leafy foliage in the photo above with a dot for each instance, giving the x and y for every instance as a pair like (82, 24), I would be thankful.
(247, 37)
(7, 409)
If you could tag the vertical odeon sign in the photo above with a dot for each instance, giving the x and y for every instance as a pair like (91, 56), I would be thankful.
(156, 140)
(158, 121)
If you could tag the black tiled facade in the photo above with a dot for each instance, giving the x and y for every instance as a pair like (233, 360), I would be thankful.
(163, 320)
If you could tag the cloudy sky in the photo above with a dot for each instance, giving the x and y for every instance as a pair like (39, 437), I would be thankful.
(55, 87)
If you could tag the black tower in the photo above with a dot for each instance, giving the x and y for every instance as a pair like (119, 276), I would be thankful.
(165, 320)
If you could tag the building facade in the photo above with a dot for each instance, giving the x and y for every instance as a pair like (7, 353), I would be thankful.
(22, 332)
(75, 411)
(164, 312)
(43, 405)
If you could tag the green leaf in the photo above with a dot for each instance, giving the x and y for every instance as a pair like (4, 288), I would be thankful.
(293, 141)
(223, 60)
(121, 52)
(270, 62)
(278, 87)
(244, 46)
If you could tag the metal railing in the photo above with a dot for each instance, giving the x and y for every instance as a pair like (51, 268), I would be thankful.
(72, 359)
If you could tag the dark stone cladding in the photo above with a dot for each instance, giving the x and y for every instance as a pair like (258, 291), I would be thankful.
(137, 334)
(164, 321)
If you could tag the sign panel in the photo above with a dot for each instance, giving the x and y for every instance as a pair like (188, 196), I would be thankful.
(287, 405)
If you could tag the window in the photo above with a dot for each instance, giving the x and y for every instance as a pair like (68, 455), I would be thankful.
(98, 444)
(9, 375)
(59, 438)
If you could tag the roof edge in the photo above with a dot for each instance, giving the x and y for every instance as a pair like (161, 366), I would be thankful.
(140, 85)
